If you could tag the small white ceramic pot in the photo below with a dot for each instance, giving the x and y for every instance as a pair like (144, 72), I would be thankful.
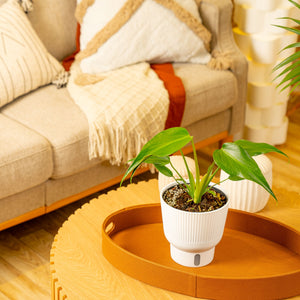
(247, 195)
(192, 235)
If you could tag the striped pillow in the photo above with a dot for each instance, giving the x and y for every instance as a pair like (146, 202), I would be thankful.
(25, 63)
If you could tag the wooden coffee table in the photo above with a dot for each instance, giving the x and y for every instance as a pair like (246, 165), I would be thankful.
(80, 271)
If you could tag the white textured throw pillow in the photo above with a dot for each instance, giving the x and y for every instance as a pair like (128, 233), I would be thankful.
(116, 33)
(25, 63)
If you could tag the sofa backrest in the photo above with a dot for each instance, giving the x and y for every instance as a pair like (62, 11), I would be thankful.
(55, 24)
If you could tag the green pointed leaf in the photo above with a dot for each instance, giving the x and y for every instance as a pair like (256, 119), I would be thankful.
(132, 169)
(235, 161)
(164, 143)
(164, 170)
(254, 149)
(235, 178)
(158, 160)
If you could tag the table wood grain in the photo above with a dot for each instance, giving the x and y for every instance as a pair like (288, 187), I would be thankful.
(80, 271)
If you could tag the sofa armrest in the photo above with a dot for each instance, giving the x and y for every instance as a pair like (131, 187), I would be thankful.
(217, 17)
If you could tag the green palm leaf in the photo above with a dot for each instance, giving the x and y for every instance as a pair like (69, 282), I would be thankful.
(292, 84)
(290, 75)
(295, 3)
(288, 60)
(293, 71)
(291, 67)
(294, 45)
(294, 30)
(288, 18)
(295, 86)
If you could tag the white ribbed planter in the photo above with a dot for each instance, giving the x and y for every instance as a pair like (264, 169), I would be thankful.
(246, 195)
(192, 235)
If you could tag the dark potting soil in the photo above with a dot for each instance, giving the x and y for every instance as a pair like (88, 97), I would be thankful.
(178, 198)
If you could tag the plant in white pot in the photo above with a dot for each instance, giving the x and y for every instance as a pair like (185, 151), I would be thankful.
(194, 211)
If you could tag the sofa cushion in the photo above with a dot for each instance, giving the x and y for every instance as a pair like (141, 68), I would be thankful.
(25, 63)
(25, 158)
(53, 114)
(207, 91)
(119, 33)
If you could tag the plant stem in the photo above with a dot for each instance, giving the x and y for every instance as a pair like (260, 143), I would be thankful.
(181, 178)
(220, 182)
(196, 194)
(196, 161)
(191, 176)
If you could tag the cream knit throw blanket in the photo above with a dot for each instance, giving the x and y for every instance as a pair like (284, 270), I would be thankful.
(124, 110)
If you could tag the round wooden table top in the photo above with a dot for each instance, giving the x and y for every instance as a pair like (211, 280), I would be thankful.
(80, 271)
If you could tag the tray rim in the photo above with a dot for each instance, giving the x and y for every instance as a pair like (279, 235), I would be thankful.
(108, 244)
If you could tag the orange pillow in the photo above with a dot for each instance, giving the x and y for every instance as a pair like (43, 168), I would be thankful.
(67, 62)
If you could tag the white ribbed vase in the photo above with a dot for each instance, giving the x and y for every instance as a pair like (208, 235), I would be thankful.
(192, 235)
(247, 195)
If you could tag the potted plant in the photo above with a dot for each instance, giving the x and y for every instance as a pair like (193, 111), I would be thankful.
(194, 211)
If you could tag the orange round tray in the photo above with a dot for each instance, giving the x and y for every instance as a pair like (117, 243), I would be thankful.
(257, 258)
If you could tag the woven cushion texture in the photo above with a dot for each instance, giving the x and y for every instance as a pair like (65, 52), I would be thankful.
(25, 64)
(152, 32)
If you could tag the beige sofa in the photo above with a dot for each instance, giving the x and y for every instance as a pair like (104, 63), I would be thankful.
(44, 161)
